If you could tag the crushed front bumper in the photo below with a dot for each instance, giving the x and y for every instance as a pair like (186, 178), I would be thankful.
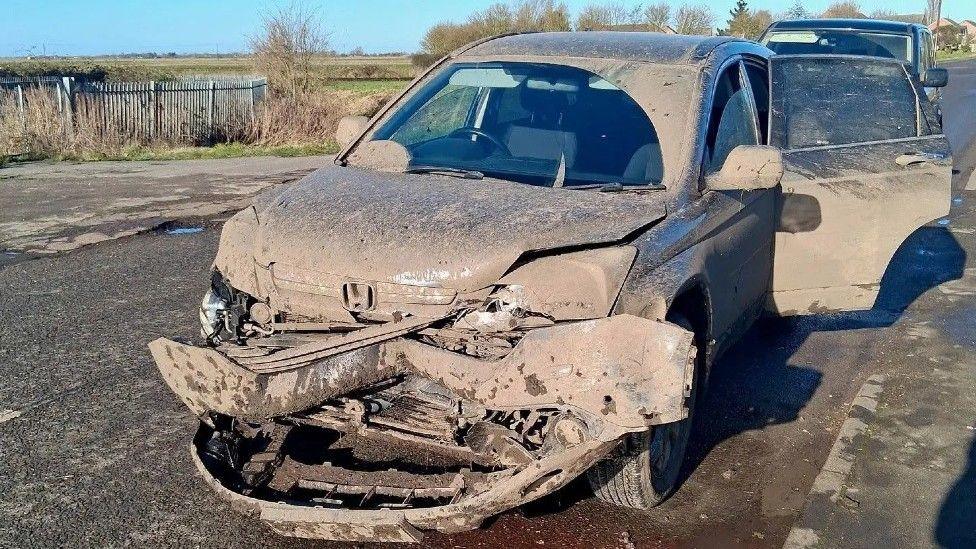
(508, 490)
(614, 376)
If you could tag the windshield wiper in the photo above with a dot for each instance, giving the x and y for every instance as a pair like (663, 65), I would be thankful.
(443, 170)
(618, 187)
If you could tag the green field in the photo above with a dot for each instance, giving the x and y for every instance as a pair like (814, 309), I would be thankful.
(326, 68)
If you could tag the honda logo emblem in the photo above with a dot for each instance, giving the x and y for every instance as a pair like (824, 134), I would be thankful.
(358, 296)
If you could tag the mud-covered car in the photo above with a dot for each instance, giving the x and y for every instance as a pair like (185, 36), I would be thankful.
(520, 271)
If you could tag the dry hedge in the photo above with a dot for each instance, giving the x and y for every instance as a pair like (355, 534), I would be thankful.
(43, 130)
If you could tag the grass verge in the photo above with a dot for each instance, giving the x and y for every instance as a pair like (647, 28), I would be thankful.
(955, 55)
(228, 150)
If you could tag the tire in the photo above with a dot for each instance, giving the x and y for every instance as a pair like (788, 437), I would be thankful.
(648, 470)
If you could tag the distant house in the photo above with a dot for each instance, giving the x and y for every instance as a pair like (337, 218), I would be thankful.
(944, 22)
(965, 28)
(970, 27)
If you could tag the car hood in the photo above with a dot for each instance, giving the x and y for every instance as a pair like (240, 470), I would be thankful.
(430, 230)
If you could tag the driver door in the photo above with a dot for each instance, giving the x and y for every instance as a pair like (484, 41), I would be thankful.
(866, 165)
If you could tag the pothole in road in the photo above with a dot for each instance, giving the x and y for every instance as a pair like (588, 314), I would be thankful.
(182, 227)
(184, 230)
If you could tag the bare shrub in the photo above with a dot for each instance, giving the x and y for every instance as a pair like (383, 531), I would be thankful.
(846, 9)
(309, 117)
(284, 51)
(658, 16)
(694, 19)
(610, 15)
(40, 128)
(93, 132)
(499, 18)
(11, 126)
(594, 17)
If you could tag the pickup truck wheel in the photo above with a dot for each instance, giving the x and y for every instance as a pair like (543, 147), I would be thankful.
(648, 470)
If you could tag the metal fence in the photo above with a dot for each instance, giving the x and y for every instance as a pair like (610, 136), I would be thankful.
(183, 111)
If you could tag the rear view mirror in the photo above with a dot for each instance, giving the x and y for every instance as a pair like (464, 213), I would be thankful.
(350, 127)
(748, 167)
(935, 78)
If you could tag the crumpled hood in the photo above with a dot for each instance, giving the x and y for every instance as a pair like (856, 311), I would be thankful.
(429, 230)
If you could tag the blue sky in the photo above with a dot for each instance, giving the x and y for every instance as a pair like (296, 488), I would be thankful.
(91, 27)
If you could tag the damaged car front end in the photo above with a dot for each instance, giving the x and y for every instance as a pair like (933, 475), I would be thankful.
(377, 440)
(412, 403)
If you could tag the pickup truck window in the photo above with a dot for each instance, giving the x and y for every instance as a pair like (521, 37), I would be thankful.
(819, 101)
(820, 41)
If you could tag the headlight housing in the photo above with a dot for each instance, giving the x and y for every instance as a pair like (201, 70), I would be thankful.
(222, 309)
(212, 312)
(572, 286)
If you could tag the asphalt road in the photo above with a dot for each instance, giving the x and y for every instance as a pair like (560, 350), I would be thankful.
(49, 207)
(93, 447)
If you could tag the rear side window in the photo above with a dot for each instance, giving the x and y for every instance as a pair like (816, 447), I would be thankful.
(818, 101)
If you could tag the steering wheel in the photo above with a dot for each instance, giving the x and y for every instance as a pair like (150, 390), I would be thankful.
(479, 133)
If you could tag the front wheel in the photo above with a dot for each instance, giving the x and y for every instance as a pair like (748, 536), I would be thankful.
(649, 468)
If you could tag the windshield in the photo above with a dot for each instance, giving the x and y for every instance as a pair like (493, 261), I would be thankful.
(533, 123)
(875, 44)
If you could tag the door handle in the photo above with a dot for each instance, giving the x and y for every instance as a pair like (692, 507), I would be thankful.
(911, 159)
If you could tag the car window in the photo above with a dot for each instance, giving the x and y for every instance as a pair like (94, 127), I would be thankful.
(528, 122)
(820, 41)
(927, 55)
(733, 118)
(836, 101)
(445, 112)
(759, 82)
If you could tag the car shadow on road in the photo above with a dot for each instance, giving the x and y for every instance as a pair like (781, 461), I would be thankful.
(757, 383)
(956, 523)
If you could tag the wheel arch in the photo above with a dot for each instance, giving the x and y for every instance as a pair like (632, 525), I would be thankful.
(692, 301)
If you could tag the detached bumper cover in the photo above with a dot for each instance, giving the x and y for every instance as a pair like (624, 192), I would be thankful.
(619, 375)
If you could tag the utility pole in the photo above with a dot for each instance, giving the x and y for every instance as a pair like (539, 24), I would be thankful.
(934, 15)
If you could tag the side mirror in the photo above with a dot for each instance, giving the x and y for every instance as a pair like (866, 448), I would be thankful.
(935, 78)
(350, 127)
(747, 168)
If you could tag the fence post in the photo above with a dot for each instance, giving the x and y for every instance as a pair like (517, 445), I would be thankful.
(20, 109)
(210, 111)
(68, 110)
(154, 106)
(253, 115)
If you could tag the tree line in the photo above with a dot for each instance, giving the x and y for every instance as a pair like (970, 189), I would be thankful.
(661, 16)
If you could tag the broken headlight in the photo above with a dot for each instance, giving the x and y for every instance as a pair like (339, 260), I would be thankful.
(212, 313)
(222, 310)
(505, 310)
